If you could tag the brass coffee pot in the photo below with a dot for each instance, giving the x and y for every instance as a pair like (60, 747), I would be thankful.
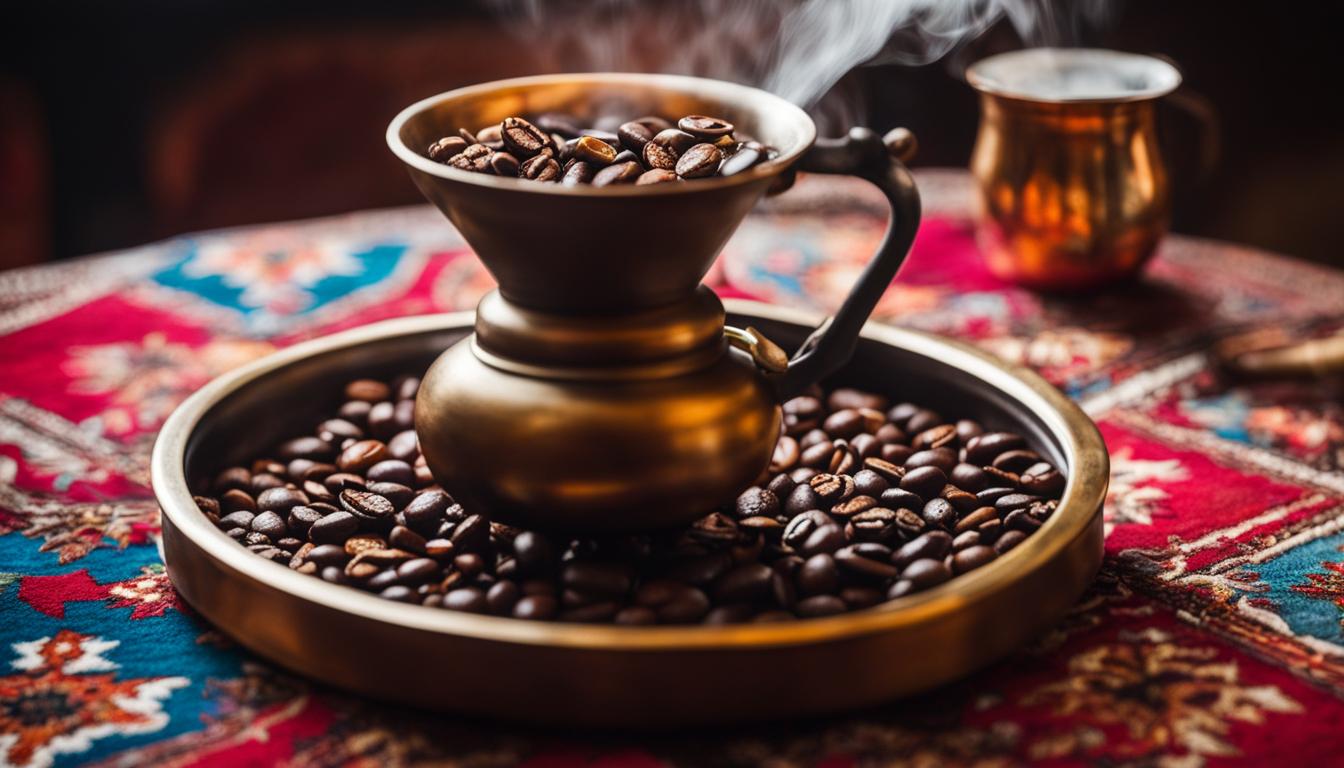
(601, 389)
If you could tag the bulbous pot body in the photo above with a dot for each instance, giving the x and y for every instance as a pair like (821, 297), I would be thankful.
(624, 452)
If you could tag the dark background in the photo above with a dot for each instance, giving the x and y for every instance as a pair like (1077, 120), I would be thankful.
(122, 123)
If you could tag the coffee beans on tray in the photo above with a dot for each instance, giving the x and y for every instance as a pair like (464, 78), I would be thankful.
(864, 501)
(559, 148)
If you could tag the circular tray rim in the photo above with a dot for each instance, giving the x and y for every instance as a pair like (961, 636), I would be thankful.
(1079, 509)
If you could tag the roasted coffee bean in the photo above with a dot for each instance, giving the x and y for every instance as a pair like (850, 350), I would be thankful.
(925, 573)
(504, 164)
(475, 158)
(1008, 540)
(1014, 501)
(852, 506)
(939, 513)
(1042, 479)
(540, 168)
(887, 469)
(398, 494)
(705, 127)
(333, 529)
(965, 539)
(971, 558)
(626, 156)
(924, 482)
(899, 498)
(729, 614)
(366, 506)
(976, 518)
(269, 524)
(404, 446)
(362, 455)
(873, 524)
(656, 176)
(870, 483)
(467, 600)
(677, 140)
(832, 488)
(593, 150)
(922, 419)
(660, 157)
(942, 458)
(933, 545)
(821, 605)
(233, 478)
(620, 173)
(208, 506)
(634, 135)
(699, 161)
(983, 449)
(818, 575)
(535, 607)
(757, 501)
(577, 172)
(241, 518)
(937, 437)
(746, 156)
(818, 455)
(235, 500)
(445, 148)
(382, 421)
(746, 583)
(367, 390)
(1019, 520)
(426, 509)
(314, 448)
(266, 481)
(1015, 461)
(827, 538)
(391, 471)
(402, 537)
(896, 454)
(471, 534)
(969, 477)
(865, 563)
(522, 137)
(843, 424)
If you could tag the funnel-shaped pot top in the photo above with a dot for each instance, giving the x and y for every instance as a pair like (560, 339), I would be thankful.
(589, 249)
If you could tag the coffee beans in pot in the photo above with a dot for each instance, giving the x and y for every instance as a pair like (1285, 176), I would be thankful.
(649, 150)
(837, 523)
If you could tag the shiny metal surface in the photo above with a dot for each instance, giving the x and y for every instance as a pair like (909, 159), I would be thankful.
(612, 676)
(1073, 188)
(598, 391)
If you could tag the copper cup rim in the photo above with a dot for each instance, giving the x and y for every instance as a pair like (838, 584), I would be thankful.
(1163, 76)
(697, 86)
(1081, 502)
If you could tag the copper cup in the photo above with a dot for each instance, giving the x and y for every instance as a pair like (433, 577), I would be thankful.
(1073, 188)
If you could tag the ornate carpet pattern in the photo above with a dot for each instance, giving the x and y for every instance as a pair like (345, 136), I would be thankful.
(1213, 636)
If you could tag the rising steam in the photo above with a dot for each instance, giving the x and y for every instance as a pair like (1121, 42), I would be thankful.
(798, 49)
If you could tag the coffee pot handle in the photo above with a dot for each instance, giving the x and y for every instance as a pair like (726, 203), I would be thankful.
(881, 161)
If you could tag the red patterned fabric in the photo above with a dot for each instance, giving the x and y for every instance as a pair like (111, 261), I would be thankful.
(1213, 636)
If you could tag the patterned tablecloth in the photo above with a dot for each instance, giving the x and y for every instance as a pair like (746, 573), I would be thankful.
(1212, 636)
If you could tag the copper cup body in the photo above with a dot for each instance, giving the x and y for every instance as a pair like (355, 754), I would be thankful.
(1072, 186)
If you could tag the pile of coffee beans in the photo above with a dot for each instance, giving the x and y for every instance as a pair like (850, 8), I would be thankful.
(864, 501)
(559, 148)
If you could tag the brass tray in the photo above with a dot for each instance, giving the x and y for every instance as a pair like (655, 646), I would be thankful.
(577, 674)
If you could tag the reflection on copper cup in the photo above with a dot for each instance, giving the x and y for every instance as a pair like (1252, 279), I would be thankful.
(1073, 189)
